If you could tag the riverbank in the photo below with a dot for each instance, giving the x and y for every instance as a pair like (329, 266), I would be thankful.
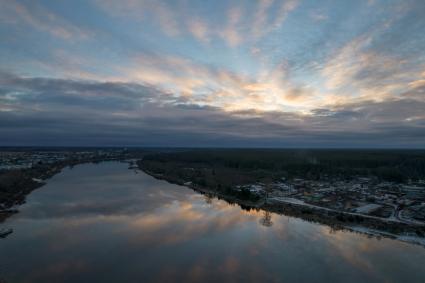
(16, 184)
(337, 220)
(245, 204)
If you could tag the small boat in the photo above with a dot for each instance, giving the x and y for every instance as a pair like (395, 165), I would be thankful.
(5, 232)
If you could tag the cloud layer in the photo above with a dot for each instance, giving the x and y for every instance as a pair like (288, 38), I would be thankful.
(66, 112)
(181, 73)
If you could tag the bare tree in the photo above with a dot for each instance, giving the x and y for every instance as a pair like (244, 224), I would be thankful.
(208, 198)
(266, 220)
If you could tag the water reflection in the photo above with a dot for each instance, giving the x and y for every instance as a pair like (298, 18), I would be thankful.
(266, 220)
(104, 223)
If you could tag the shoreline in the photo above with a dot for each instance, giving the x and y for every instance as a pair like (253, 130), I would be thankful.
(35, 178)
(338, 220)
(24, 181)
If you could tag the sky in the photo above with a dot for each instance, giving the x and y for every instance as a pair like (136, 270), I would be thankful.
(268, 73)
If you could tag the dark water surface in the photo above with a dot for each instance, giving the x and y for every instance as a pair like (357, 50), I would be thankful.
(105, 223)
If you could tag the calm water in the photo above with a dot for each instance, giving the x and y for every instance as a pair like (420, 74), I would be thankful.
(105, 223)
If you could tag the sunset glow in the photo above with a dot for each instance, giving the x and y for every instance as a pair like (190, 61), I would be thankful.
(213, 73)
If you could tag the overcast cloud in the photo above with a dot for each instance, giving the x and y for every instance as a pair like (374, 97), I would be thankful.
(226, 73)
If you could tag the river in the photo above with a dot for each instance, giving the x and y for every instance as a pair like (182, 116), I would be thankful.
(107, 223)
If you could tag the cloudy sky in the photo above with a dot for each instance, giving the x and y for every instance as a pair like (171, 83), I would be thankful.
(269, 73)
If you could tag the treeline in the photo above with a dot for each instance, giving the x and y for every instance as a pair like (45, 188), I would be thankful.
(389, 165)
(221, 179)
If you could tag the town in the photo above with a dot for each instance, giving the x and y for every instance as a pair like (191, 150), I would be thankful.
(25, 159)
(379, 192)
(360, 195)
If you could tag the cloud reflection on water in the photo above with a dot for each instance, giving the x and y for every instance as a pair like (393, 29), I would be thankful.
(105, 223)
